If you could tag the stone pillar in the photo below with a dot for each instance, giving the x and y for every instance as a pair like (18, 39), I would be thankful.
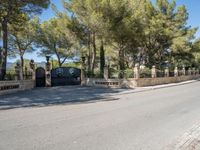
(193, 71)
(21, 73)
(183, 71)
(32, 69)
(153, 72)
(48, 74)
(176, 72)
(106, 73)
(136, 72)
(18, 72)
(166, 72)
(197, 71)
(189, 71)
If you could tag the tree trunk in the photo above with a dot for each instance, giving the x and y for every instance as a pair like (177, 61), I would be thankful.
(121, 63)
(89, 54)
(22, 64)
(93, 54)
(1, 49)
(59, 62)
(57, 55)
(22, 61)
(4, 51)
(102, 59)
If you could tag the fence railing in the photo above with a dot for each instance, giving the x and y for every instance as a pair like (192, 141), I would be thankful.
(148, 73)
(12, 75)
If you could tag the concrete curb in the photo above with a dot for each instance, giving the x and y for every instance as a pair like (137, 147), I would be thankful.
(156, 87)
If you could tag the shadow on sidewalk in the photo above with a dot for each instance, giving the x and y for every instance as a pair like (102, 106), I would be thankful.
(41, 97)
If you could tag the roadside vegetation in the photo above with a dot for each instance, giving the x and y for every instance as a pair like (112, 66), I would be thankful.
(118, 34)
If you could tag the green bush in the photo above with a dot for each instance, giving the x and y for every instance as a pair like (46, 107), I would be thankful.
(128, 73)
(145, 73)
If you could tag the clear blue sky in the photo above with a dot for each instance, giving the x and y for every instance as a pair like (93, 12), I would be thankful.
(193, 7)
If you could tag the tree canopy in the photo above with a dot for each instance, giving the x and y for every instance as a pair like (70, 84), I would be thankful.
(11, 12)
(118, 34)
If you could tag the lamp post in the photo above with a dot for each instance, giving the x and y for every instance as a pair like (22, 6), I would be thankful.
(47, 58)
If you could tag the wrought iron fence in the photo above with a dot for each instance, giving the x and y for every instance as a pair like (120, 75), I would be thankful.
(128, 73)
(147, 73)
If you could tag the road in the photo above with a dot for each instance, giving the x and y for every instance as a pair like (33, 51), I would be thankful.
(150, 120)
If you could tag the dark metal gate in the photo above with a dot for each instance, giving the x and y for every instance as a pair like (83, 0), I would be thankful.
(65, 76)
(40, 77)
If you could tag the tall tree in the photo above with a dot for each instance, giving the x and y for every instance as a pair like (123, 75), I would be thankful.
(55, 38)
(21, 38)
(183, 38)
(10, 11)
(89, 15)
(149, 33)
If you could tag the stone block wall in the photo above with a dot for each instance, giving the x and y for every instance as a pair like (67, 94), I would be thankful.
(7, 87)
(140, 82)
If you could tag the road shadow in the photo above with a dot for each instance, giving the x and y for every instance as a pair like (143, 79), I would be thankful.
(40, 97)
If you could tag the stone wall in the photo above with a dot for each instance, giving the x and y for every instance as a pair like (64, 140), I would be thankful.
(114, 83)
(166, 80)
(111, 83)
(141, 82)
(7, 87)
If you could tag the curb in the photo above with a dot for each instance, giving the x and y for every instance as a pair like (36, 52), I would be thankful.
(156, 87)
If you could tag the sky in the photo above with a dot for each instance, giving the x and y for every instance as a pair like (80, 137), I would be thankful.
(193, 7)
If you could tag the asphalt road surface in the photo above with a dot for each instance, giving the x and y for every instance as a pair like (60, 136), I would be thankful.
(151, 120)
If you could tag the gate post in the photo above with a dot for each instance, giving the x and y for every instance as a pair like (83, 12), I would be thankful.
(167, 72)
(176, 72)
(193, 71)
(32, 69)
(183, 71)
(153, 72)
(136, 72)
(106, 73)
(48, 72)
(18, 71)
(189, 72)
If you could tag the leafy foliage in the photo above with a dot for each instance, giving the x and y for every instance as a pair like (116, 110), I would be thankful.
(117, 34)
(54, 38)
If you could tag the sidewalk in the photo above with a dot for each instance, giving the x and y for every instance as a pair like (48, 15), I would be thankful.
(148, 88)
(41, 97)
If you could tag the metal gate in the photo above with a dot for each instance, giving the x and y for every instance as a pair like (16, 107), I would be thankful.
(40, 77)
(65, 76)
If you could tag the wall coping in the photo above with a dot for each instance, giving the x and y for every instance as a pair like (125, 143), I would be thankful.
(7, 87)
(140, 82)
